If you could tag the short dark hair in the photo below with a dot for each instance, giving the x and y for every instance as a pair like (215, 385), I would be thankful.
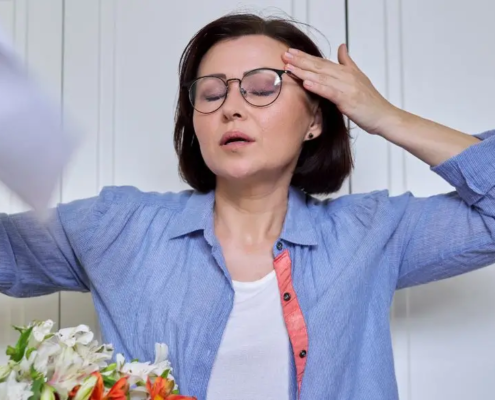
(324, 162)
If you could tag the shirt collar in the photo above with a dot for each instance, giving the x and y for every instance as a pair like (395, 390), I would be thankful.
(197, 215)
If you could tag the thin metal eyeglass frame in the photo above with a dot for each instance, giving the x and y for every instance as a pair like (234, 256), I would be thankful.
(279, 72)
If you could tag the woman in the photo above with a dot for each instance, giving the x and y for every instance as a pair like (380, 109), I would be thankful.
(259, 289)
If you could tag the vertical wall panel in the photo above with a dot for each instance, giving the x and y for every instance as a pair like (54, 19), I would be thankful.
(366, 46)
(6, 304)
(36, 31)
(82, 102)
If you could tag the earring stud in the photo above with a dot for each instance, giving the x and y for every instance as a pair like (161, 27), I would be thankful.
(310, 136)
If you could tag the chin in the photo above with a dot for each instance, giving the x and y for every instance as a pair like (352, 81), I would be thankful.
(235, 171)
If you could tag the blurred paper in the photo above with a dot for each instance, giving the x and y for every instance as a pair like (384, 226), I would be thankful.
(34, 148)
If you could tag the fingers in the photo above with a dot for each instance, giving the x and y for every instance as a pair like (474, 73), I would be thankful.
(319, 78)
(328, 92)
(311, 63)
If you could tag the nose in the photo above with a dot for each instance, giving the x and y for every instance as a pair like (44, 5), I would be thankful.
(234, 105)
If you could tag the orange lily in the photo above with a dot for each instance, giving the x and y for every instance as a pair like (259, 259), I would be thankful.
(118, 391)
(162, 389)
(98, 390)
(73, 392)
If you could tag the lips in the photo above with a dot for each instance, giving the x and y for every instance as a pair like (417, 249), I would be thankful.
(235, 137)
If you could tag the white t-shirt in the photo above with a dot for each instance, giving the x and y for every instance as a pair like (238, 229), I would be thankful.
(253, 359)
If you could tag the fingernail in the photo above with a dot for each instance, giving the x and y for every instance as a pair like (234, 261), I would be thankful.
(294, 51)
(288, 55)
(308, 83)
(289, 67)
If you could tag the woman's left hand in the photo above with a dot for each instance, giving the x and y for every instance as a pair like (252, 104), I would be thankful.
(345, 85)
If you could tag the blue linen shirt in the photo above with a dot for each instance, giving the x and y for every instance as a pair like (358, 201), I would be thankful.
(156, 271)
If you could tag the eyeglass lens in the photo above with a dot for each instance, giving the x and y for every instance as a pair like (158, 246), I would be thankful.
(259, 88)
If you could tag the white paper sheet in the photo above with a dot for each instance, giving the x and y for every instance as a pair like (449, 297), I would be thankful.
(34, 148)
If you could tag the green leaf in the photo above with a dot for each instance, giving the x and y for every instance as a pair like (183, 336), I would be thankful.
(10, 351)
(109, 381)
(176, 391)
(16, 353)
(35, 375)
(36, 389)
(29, 351)
(135, 360)
(109, 368)
(165, 373)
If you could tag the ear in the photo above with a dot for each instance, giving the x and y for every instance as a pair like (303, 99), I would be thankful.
(316, 126)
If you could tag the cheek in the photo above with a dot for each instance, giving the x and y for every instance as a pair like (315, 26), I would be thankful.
(286, 127)
(204, 129)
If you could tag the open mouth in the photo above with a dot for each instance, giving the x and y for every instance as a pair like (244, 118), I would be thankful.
(235, 137)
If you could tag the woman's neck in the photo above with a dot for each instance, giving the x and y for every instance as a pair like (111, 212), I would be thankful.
(250, 215)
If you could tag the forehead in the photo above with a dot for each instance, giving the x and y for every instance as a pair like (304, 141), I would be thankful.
(233, 57)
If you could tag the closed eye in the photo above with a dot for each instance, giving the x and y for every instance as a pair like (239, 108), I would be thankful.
(262, 92)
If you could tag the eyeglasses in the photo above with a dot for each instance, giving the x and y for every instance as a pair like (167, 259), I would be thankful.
(259, 87)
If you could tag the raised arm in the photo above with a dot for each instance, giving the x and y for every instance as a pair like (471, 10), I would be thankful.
(40, 258)
(450, 234)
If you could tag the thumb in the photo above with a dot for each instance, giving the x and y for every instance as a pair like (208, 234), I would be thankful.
(344, 57)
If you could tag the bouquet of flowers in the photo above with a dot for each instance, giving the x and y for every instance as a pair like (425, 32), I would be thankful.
(71, 365)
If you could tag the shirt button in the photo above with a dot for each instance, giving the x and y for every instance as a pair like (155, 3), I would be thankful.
(280, 246)
(302, 354)
(286, 296)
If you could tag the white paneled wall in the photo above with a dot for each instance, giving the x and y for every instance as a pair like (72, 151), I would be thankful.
(113, 66)
(36, 30)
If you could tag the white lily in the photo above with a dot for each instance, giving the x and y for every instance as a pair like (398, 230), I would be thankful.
(45, 355)
(4, 372)
(140, 371)
(137, 372)
(40, 331)
(93, 353)
(69, 370)
(13, 390)
(80, 334)
(23, 368)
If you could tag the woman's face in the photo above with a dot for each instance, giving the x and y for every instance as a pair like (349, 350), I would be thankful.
(272, 135)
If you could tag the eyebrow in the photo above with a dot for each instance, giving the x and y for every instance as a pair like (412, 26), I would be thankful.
(223, 76)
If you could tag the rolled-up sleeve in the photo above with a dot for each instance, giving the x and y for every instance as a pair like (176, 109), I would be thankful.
(450, 234)
(41, 258)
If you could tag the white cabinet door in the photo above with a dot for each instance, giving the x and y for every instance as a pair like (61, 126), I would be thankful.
(35, 27)
(435, 58)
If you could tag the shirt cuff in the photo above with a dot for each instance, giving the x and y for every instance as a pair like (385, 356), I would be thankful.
(472, 172)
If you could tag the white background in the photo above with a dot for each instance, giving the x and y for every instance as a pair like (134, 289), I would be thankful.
(113, 65)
